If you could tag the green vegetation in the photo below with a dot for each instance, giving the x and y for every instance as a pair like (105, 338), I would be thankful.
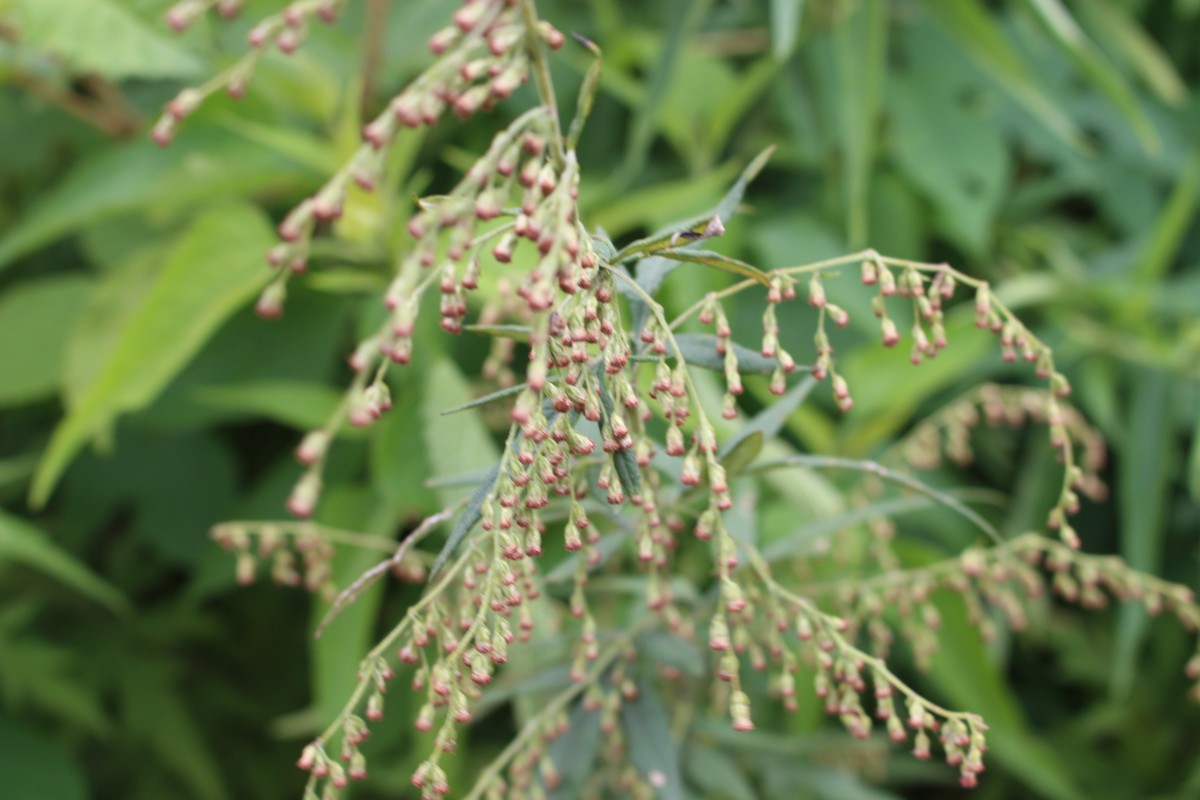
(1044, 149)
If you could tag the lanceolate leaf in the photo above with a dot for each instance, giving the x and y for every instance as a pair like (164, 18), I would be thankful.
(21, 543)
(214, 269)
(491, 397)
(466, 521)
(700, 350)
(651, 747)
(721, 262)
(769, 422)
(623, 460)
(519, 333)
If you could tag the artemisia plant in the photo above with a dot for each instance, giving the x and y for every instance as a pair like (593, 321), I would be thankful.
(612, 450)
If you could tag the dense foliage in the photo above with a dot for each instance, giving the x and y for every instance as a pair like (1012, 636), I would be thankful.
(1046, 149)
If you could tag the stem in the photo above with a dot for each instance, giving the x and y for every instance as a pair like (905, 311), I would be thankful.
(373, 39)
(541, 76)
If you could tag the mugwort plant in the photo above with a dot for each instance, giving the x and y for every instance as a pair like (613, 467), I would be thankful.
(612, 452)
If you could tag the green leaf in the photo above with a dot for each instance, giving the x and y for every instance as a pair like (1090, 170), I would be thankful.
(700, 350)
(651, 747)
(1141, 52)
(719, 261)
(951, 150)
(1066, 31)
(214, 269)
(103, 37)
(456, 444)
(300, 404)
(466, 520)
(664, 647)
(962, 669)
(624, 461)
(575, 752)
(518, 333)
(21, 543)
(785, 26)
(717, 774)
(883, 473)
(860, 45)
(491, 397)
(1143, 483)
(789, 545)
(771, 420)
(743, 453)
(1163, 243)
(34, 769)
(35, 323)
(968, 24)
(204, 165)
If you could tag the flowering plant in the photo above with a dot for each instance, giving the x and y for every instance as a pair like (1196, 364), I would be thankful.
(616, 473)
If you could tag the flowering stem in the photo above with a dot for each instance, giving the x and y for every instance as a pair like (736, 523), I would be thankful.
(541, 77)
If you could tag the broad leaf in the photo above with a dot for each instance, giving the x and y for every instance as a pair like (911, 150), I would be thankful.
(35, 322)
(215, 268)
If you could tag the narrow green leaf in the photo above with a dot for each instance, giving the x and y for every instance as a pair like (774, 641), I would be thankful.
(743, 453)
(717, 774)
(719, 261)
(785, 26)
(883, 473)
(1193, 480)
(575, 752)
(969, 25)
(860, 44)
(1115, 24)
(770, 421)
(21, 543)
(893, 507)
(1066, 31)
(651, 747)
(694, 227)
(213, 270)
(700, 350)
(300, 404)
(518, 333)
(666, 648)
(624, 461)
(491, 397)
(466, 520)
(1143, 482)
(1164, 241)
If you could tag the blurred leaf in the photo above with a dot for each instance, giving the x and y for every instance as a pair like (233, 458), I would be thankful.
(34, 769)
(771, 420)
(1143, 480)
(963, 671)
(23, 544)
(666, 648)
(490, 397)
(717, 774)
(624, 461)
(205, 165)
(743, 453)
(1177, 217)
(968, 24)
(1066, 31)
(785, 26)
(212, 271)
(860, 45)
(35, 322)
(305, 406)
(1116, 25)
(952, 151)
(717, 261)
(700, 350)
(103, 37)
(651, 747)
(466, 520)
(518, 333)
(574, 753)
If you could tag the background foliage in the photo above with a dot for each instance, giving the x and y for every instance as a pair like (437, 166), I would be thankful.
(1048, 147)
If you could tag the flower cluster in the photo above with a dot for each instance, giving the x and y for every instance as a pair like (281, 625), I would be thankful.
(601, 398)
